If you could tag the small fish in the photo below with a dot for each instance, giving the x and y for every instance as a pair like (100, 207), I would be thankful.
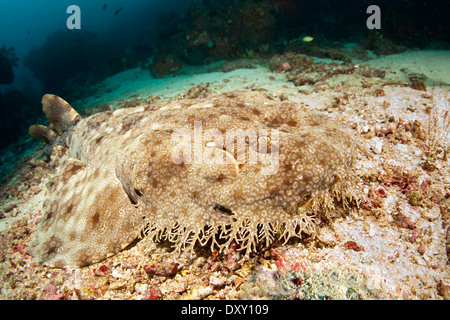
(104, 6)
(118, 11)
(304, 39)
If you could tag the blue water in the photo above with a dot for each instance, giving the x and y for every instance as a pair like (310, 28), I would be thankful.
(43, 56)
(27, 23)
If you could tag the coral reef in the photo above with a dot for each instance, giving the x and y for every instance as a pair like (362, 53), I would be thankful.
(121, 164)
(222, 30)
(165, 65)
(229, 28)
(290, 61)
(381, 45)
(414, 26)
(305, 71)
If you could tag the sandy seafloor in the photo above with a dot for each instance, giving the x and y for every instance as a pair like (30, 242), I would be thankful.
(395, 247)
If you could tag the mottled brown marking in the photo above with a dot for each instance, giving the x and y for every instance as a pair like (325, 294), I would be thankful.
(129, 180)
(95, 219)
(98, 140)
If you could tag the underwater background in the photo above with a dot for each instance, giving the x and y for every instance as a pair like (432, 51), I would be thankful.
(39, 54)
(381, 69)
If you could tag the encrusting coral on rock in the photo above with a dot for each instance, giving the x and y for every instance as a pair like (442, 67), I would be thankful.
(234, 168)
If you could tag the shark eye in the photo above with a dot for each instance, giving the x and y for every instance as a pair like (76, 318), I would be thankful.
(223, 210)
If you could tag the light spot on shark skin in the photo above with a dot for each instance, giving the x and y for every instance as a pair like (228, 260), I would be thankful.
(119, 178)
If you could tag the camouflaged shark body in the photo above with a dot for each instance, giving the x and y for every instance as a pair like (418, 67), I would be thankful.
(122, 172)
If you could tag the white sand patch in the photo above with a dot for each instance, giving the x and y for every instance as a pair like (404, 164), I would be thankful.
(137, 82)
(435, 65)
(140, 83)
